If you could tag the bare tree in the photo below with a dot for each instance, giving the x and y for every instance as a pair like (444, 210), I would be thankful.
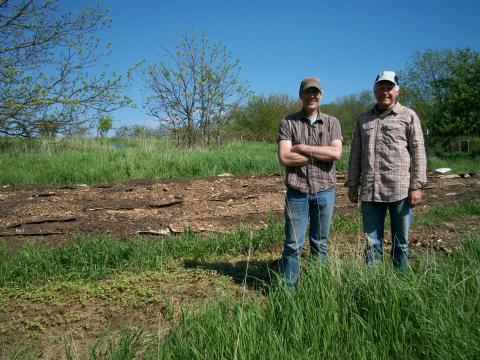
(194, 87)
(50, 68)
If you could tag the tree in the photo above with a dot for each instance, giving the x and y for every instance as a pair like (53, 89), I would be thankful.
(260, 118)
(347, 109)
(46, 128)
(104, 125)
(194, 88)
(49, 68)
(136, 131)
(444, 89)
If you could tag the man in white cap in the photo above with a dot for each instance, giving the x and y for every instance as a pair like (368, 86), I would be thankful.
(309, 142)
(388, 162)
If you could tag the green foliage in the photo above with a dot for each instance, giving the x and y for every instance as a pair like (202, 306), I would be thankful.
(460, 163)
(46, 128)
(340, 310)
(444, 89)
(448, 213)
(360, 306)
(90, 161)
(260, 118)
(137, 131)
(347, 109)
(104, 125)
(46, 57)
(94, 257)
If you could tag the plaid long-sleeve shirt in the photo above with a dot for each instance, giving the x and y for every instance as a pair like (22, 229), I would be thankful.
(387, 155)
(317, 175)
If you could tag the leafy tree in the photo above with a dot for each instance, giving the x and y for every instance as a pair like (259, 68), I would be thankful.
(444, 89)
(194, 88)
(104, 125)
(135, 131)
(347, 109)
(122, 131)
(49, 62)
(79, 130)
(260, 118)
(46, 127)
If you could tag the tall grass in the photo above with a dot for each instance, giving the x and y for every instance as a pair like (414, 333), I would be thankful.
(90, 161)
(108, 160)
(459, 163)
(340, 310)
(94, 257)
(448, 212)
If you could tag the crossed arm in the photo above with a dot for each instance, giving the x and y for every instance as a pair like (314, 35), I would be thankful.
(300, 154)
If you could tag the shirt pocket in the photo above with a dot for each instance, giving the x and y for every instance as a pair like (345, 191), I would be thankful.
(394, 133)
(368, 132)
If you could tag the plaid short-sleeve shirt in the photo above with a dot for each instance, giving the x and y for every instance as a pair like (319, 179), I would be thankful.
(387, 155)
(317, 175)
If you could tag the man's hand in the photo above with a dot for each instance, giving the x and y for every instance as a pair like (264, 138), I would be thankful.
(415, 197)
(353, 194)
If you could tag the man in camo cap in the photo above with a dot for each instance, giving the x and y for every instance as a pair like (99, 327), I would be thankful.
(309, 143)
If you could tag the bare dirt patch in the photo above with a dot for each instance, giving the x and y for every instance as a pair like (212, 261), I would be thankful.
(160, 207)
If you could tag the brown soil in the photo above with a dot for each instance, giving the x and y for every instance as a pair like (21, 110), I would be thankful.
(159, 207)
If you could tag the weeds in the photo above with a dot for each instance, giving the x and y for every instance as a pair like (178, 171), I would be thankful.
(342, 310)
(339, 310)
(90, 161)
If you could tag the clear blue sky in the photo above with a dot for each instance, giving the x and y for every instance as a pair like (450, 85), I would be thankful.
(344, 43)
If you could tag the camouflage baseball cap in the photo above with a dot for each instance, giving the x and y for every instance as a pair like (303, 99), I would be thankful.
(309, 82)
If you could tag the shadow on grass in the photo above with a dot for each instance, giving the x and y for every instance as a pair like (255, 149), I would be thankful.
(260, 276)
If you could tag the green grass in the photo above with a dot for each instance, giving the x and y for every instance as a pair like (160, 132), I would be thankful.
(92, 257)
(341, 310)
(459, 163)
(91, 161)
(447, 212)
(98, 161)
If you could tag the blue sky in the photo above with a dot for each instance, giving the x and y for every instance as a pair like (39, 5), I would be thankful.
(344, 43)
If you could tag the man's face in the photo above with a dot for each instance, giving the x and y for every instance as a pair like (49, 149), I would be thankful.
(311, 99)
(386, 94)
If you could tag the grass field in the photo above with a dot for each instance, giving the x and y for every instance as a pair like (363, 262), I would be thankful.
(93, 161)
(340, 310)
(90, 161)
(459, 163)
(187, 297)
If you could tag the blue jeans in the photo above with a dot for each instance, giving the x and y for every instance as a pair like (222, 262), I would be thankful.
(373, 216)
(299, 209)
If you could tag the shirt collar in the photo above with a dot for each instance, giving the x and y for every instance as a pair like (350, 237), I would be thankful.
(395, 110)
(319, 116)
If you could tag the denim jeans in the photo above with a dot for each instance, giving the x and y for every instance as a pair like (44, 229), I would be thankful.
(373, 216)
(300, 210)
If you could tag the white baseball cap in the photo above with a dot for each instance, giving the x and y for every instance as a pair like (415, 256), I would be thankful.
(387, 76)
